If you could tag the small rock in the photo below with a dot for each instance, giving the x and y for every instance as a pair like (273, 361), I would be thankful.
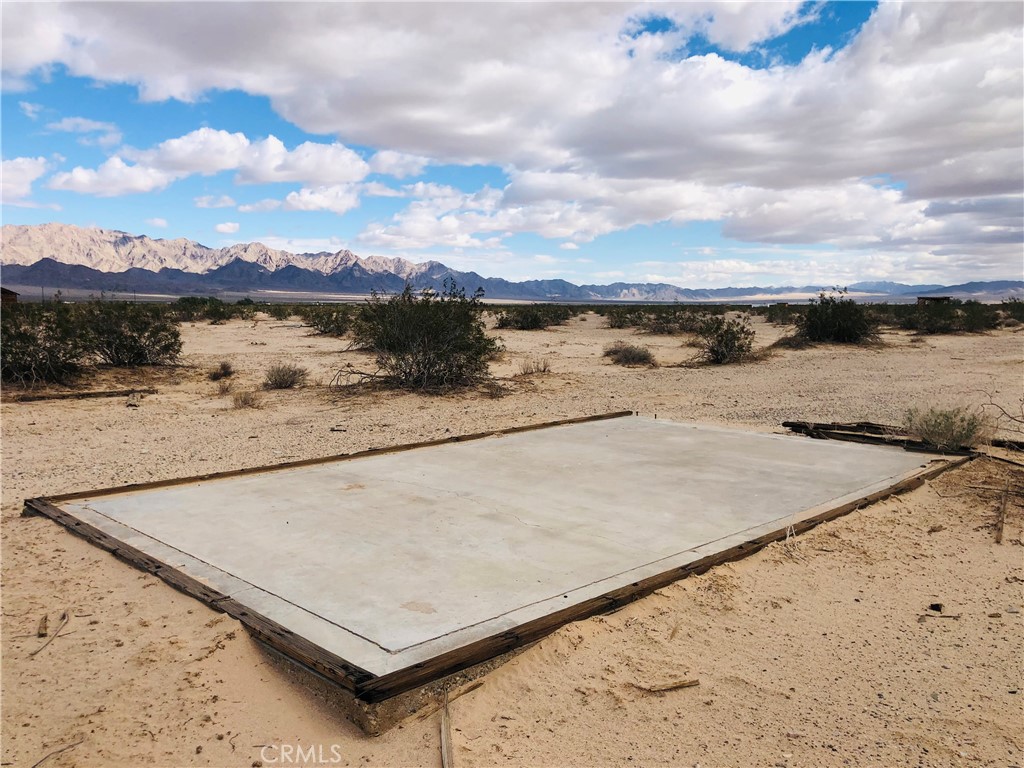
(995, 615)
(937, 607)
(1013, 609)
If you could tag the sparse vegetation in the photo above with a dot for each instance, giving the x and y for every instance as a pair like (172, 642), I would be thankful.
(279, 311)
(630, 355)
(722, 341)
(285, 376)
(328, 319)
(835, 318)
(41, 344)
(427, 341)
(949, 429)
(223, 370)
(246, 399)
(224, 387)
(535, 365)
(53, 343)
(534, 317)
(952, 316)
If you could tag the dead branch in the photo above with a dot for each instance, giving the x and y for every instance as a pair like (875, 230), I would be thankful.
(64, 619)
(57, 752)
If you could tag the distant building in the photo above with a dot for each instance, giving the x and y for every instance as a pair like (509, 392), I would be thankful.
(7, 296)
(923, 300)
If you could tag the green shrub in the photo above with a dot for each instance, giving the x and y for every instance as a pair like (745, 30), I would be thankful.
(41, 344)
(429, 341)
(624, 317)
(835, 318)
(722, 341)
(131, 334)
(1013, 309)
(781, 314)
(949, 429)
(534, 317)
(284, 376)
(952, 316)
(630, 355)
(329, 319)
(279, 311)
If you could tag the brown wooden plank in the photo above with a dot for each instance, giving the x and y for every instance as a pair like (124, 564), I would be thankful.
(115, 490)
(19, 398)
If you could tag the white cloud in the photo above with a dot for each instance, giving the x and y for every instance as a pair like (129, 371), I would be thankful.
(227, 228)
(338, 199)
(30, 110)
(110, 135)
(157, 222)
(569, 247)
(213, 201)
(113, 178)
(262, 206)
(598, 128)
(18, 175)
(398, 164)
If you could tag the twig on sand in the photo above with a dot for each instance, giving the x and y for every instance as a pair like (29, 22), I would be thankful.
(57, 751)
(1001, 517)
(63, 623)
(452, 697)
(670, 686)
(447, 758)
(43, 624)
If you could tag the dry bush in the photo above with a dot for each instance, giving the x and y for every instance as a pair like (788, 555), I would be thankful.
(246, 399)
(949, 429)
(223, 370)
(536, 365)
(285, 376)
(630, 355)
(224, 387)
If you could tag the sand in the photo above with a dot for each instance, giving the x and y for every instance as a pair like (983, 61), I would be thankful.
(808, 653)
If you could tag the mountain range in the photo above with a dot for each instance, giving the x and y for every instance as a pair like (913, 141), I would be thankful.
(70, 257)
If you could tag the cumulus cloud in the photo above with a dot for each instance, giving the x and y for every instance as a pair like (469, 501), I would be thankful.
(267, 204)
(227, 228)
(113, 178)
(17, 176)
(603, 125)
(338, 199)
(157, 222)
(109, 136)
(213, 201)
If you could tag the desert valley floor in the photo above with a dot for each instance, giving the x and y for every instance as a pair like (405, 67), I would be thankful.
(817, 652)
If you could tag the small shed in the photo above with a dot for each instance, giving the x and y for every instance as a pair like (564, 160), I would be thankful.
(7, 296)
(925, 300)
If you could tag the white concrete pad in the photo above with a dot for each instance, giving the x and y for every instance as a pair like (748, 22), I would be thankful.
(390, 560)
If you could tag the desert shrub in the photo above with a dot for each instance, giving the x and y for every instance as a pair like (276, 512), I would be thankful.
(950, 428)
(223, 370)
(536, 365)
(624, 317)
(131, 334)
(427, 341)
(330, 319)
(622, 353)
(722, 341)
(953, 316)
(284, 376)
(534, 317)
(1013, 309)
(279, 311)
(781, 314)
(224, 387)
(246, 399)
(833, 317)
(42, 344)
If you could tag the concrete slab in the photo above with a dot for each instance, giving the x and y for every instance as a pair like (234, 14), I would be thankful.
(389, 561)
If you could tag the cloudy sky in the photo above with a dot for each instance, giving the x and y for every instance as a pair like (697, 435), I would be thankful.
(700, 144)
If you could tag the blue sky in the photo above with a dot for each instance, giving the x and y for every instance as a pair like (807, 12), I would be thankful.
(698, 144)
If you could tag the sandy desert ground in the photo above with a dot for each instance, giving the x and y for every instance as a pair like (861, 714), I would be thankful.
(812, 653)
